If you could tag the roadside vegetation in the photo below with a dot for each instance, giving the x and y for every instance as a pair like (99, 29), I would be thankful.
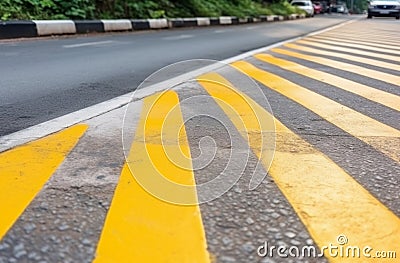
(114, 9)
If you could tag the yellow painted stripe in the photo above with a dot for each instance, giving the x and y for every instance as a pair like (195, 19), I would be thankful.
(140, 227)
(385, 36)
(25, 169)
(345, 56)
(359, 46)
(370, 73)
(342, 41)
(367, 31)
(351, 121)
(366, 38)
(327, 200)
(382, 97)
(353, 51)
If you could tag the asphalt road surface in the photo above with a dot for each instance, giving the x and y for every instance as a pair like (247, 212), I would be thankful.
(42, 79)
(334, 100)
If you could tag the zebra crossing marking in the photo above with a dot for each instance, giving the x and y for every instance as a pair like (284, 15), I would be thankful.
(358, 125)
(378, 75)
(385, 98)
(327, 200)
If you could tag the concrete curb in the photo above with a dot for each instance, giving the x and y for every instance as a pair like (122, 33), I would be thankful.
(36, 28)
(54, 27)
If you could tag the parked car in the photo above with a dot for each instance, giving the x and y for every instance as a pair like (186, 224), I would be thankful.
(342, 8)
(388, 8)
(305, 5)
(318, 9)
(325, 7)
(339, 8)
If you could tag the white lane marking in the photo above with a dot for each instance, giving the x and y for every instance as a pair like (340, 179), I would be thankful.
(8, 43)
(88, 44)
(251, 27)
(221, 31)
(9, 54)
(43, 129)
(178, 37)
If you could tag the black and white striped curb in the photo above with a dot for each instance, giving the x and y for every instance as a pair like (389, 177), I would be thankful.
(36, 28)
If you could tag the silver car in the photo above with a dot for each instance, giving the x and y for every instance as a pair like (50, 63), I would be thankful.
(305, 5)
(384, 8)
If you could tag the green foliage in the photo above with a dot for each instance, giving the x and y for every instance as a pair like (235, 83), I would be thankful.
(46, 9)
(284, 9)
(97, 9)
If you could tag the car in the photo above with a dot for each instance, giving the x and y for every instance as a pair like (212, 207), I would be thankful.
(339, 8)
(318, 9)
(305, 5)
(326, 6)
(384, 8)
(342, 8)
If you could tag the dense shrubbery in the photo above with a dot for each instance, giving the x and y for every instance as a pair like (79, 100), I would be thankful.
(91, 9)
(46, 9)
